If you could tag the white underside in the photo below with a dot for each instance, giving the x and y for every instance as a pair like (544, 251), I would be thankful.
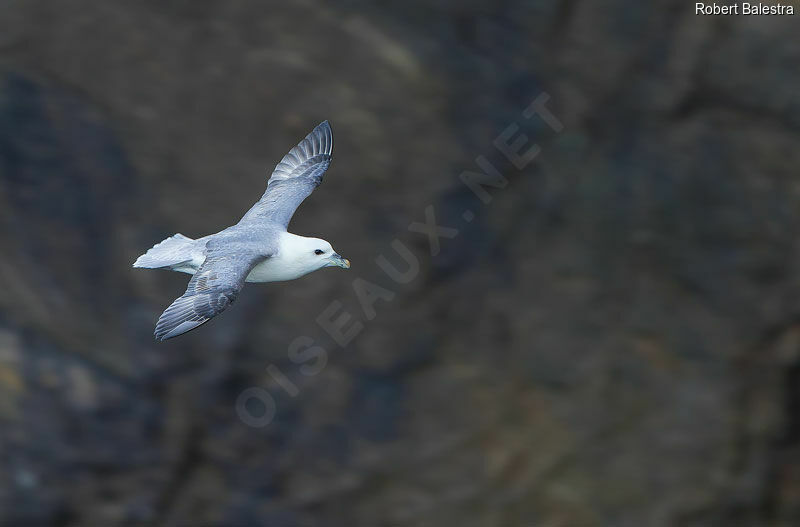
(273, 270)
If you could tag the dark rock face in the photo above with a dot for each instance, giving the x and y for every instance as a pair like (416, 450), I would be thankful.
(612, 339)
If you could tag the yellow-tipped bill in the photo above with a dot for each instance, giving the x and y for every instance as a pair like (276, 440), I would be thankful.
(338, 261)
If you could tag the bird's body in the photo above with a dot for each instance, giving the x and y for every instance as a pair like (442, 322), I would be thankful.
(257, 249)
(287, 262)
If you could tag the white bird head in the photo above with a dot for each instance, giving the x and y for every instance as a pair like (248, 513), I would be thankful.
(321, 253)
(306, 255)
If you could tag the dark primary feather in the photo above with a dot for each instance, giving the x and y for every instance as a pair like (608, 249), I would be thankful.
(211, 290)
(295, 177)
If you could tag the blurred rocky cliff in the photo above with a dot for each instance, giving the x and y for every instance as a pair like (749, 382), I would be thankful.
(614, 340)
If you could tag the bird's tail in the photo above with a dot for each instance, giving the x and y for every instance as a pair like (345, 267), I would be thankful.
(172, 252)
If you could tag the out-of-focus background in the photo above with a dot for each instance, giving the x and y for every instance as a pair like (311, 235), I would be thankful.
(613, 341)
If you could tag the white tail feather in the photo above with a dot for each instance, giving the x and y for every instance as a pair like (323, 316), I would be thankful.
(172, 252)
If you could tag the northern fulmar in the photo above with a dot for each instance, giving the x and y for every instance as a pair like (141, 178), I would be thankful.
(257, 249)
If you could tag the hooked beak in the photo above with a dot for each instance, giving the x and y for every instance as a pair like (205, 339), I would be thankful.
(337, 261)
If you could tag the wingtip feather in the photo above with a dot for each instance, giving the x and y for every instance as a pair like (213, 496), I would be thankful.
(180, 329)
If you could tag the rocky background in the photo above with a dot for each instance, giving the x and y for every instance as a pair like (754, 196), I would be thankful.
(613, 341)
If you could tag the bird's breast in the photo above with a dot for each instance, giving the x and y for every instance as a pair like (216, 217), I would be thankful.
(274, 270)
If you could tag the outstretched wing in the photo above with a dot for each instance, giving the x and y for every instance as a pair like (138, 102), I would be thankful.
(211, 290)
(296, 176)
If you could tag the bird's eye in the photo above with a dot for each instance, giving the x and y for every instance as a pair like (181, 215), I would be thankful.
(318, 251)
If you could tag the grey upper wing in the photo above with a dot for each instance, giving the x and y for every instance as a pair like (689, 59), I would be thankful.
(296, 176)
(211, 290)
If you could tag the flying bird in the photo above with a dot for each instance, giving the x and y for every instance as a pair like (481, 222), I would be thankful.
(257, 249)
